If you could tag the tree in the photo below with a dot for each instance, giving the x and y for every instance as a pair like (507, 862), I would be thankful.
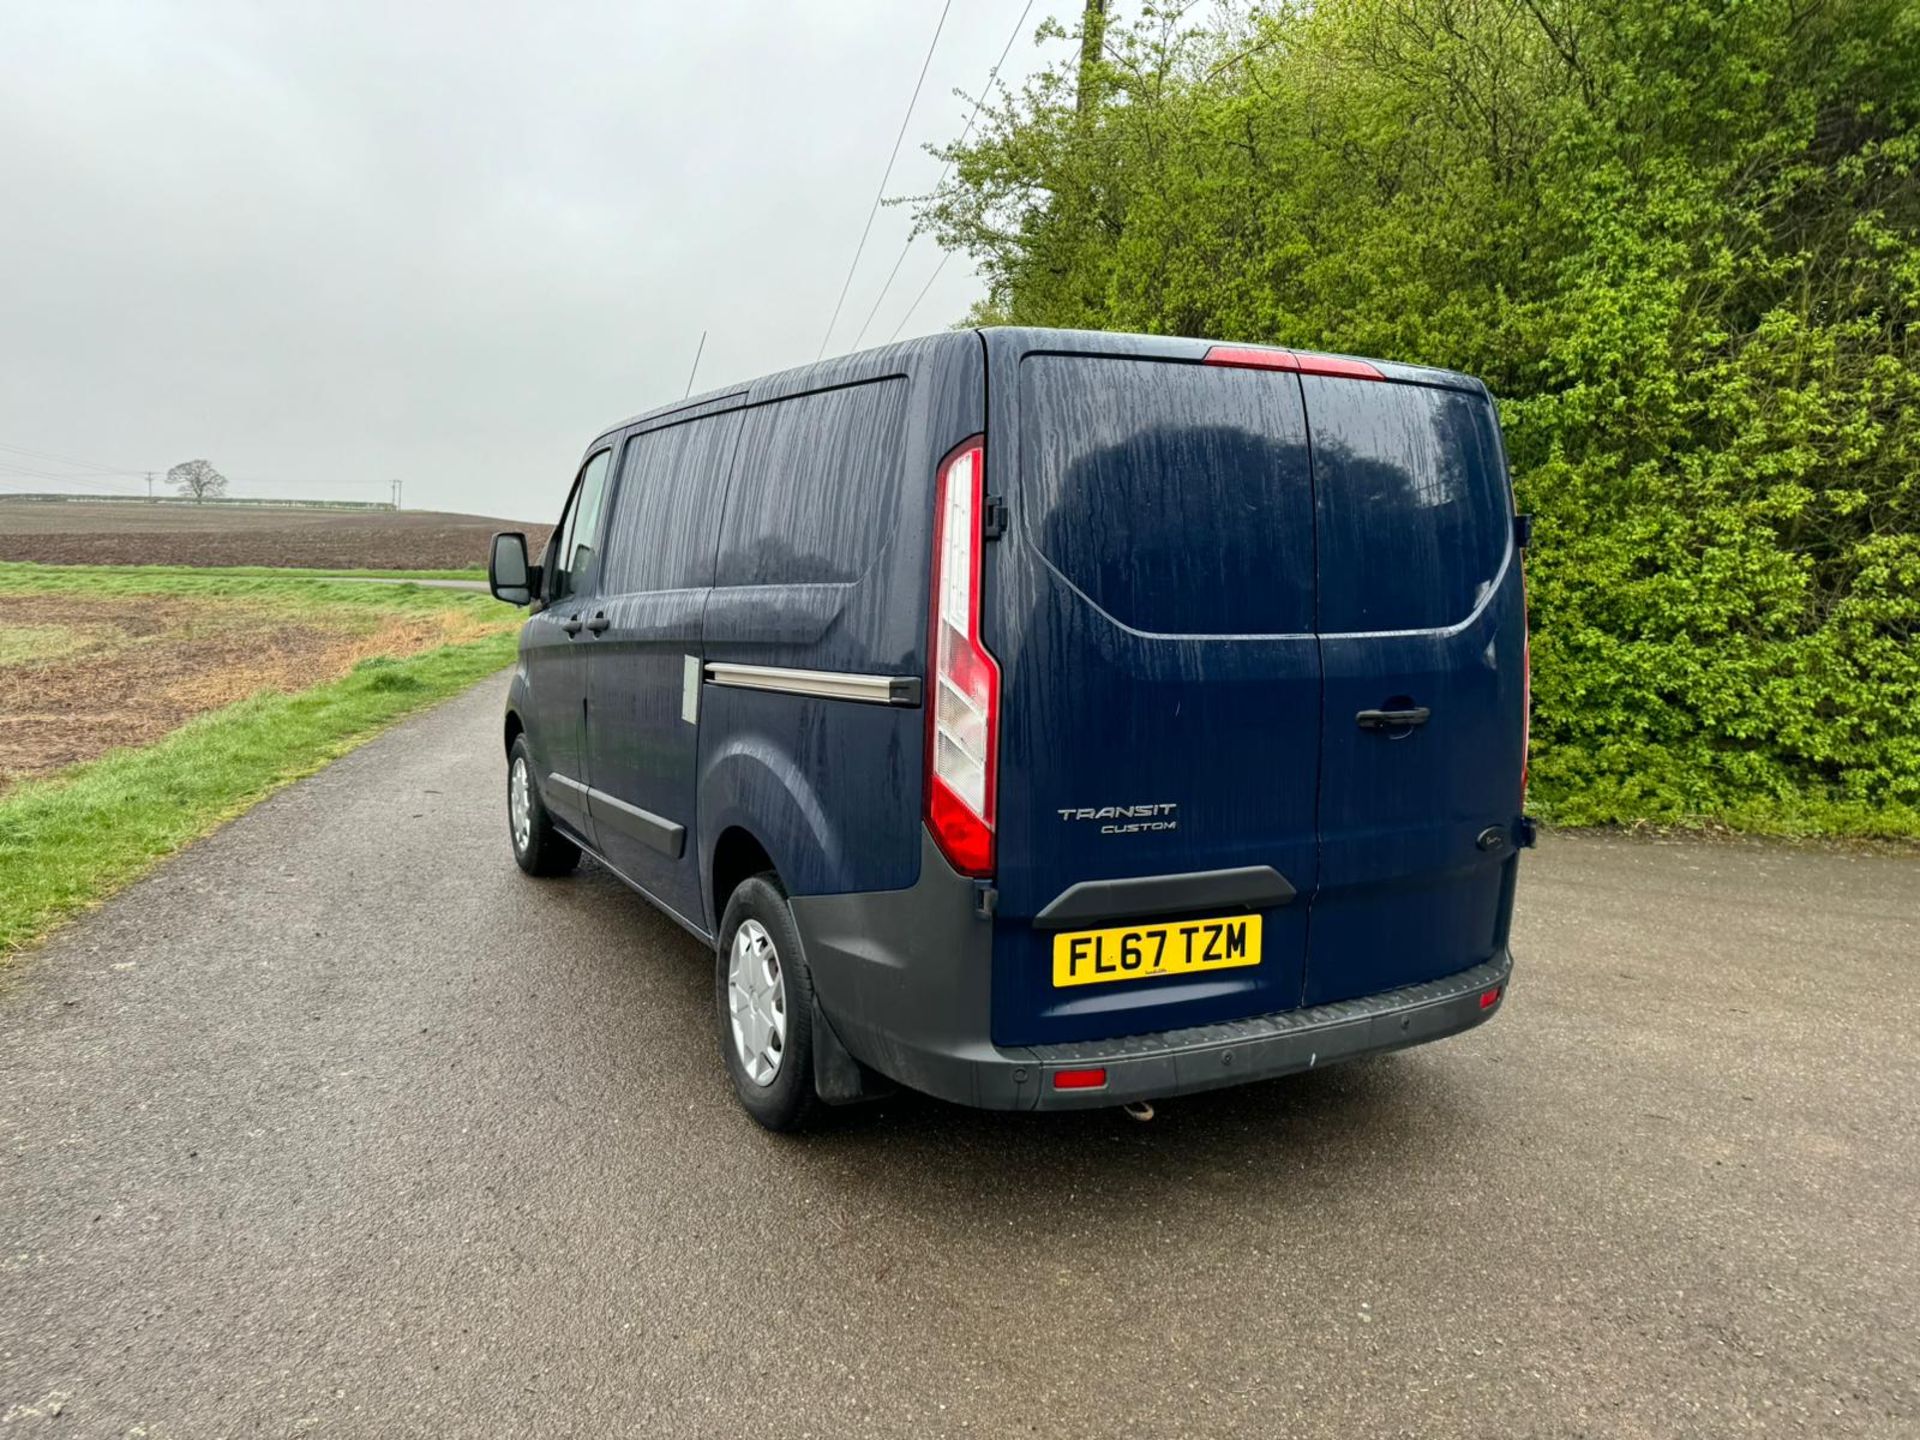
(199, 479)
(1681, 241)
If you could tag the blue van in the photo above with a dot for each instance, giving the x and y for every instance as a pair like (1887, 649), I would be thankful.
(1043, 719)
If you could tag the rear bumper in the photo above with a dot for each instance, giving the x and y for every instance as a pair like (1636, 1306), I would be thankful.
(902, 977)
(1207, 1057)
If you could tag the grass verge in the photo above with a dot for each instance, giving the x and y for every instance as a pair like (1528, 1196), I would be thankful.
(69, 841)
(243, 572)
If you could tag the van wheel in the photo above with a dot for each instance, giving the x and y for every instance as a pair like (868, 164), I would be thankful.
(764, 997)
(538, 848)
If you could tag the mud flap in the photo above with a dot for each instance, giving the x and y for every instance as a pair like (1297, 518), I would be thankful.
(838, 1078)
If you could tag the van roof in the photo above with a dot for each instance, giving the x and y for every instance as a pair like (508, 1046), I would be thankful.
(892, 359)
(1173, 347)
(838, 370)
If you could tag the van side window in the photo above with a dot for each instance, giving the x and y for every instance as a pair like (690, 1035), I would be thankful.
(1413, 504)
(815, 487)
(573, 569)
(666, 513)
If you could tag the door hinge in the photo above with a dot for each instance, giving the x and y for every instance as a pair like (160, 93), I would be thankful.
(986, 899)
(993, 519)
(1526, 832)
(1523, 531)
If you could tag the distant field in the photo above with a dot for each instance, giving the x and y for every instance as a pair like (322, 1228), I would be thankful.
(93, 532)
(140, 707)
(94, 660)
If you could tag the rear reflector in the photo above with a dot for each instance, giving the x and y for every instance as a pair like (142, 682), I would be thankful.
(963, 718)
(1490, 998)
(1080, 1079)
(1254, 357)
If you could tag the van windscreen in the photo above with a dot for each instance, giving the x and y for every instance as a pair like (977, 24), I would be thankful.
(1175, 497)
(1413, 503)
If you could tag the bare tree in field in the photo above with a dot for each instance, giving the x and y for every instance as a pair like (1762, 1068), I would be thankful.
(198, 479)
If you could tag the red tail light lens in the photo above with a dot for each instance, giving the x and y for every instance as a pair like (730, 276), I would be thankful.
(1094, 1079)
(963, 712)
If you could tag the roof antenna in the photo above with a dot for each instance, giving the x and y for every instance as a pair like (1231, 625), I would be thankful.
(696, 363)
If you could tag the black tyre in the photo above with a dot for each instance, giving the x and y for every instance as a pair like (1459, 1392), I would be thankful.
(763, 996)
(538, 848)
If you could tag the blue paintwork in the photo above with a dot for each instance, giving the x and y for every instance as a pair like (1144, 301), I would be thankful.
(1421, 601)
(657, 572)
(1149, 656)
(1187, 609)
(832, 789)
(555, 669)
(1156, 647)
(807, 547)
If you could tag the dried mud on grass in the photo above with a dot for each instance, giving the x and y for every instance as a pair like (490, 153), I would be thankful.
(135, 669)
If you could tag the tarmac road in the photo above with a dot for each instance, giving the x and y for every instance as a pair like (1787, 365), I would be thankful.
(337, 1125)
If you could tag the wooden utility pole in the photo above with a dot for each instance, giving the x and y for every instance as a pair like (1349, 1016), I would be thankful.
(1093, 41)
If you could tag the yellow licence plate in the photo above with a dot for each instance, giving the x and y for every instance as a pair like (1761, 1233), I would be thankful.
(1140, 952)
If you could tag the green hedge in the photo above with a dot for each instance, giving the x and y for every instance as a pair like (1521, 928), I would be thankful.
(1679, 240)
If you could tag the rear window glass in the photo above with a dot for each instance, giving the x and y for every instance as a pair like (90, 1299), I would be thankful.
(1413, 503)
(667, 510)
(815, 486)
(1176, 497)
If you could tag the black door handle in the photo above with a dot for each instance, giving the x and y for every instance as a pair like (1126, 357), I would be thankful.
(1392, 719)
(598, 624)
(572, 625)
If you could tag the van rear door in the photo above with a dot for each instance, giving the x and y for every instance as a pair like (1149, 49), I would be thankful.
(1151, 608)
(1423, 639)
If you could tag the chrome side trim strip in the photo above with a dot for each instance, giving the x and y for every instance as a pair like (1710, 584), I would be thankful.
(571, 784)
(824, 684)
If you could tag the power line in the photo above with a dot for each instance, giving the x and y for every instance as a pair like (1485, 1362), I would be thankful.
(945, 170)
(945, 256)
(879, 194)
(79, 480)
(87, 465)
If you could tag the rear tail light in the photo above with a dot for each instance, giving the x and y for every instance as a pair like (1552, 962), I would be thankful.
(963, 718)
(1093, 1079)
(1489, 998)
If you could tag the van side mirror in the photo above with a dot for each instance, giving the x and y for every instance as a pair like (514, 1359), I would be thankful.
(509, 576)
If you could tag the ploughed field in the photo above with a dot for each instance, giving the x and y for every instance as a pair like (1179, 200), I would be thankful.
(137, 532)
(91, 661)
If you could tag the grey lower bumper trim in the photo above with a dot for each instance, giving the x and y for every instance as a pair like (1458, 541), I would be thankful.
(905, 978)
(1206, 1057)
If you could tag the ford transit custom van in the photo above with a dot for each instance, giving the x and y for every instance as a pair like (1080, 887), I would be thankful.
(1043, 719)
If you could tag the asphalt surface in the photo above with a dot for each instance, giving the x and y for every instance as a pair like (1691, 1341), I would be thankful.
(337, 1125)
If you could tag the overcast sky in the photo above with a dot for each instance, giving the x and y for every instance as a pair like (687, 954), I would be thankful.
(326, 244)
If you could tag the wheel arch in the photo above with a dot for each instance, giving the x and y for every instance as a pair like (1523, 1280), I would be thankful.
(737, 855)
